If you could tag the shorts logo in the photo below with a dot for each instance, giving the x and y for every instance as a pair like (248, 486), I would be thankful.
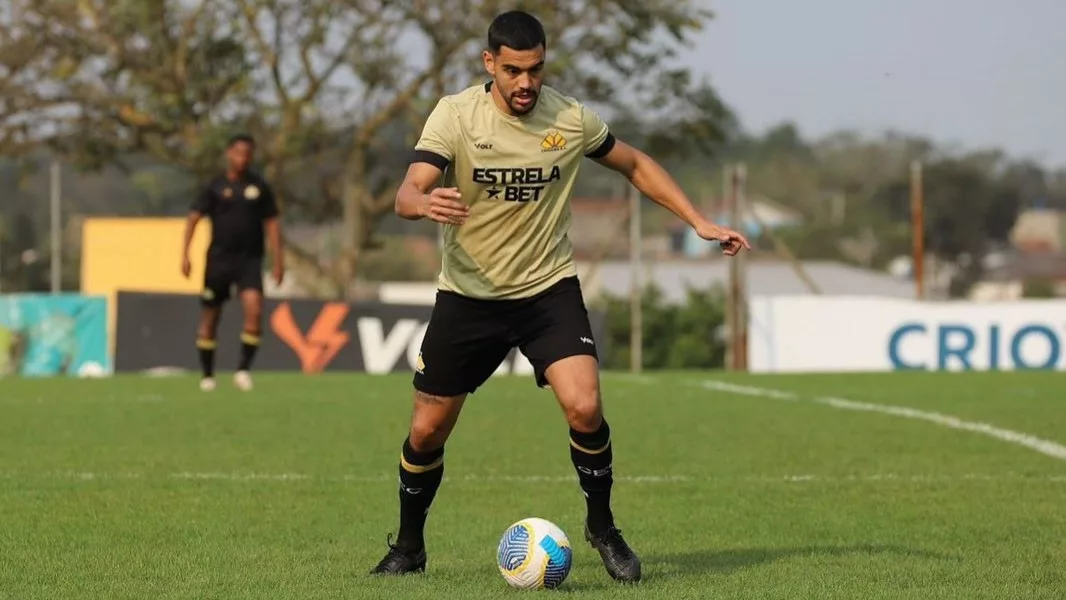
(209, 294)
(553, 142)
(251, 193)
(420, 365)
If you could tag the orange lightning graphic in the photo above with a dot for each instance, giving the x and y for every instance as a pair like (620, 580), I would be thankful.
(322, 342)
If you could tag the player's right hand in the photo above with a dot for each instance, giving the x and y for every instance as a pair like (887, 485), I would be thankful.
(443, 206)
(186, 267)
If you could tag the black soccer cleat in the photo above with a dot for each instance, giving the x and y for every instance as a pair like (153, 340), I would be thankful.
(399, 561)
(621, 562)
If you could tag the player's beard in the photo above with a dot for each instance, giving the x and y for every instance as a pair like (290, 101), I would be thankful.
(523, 101)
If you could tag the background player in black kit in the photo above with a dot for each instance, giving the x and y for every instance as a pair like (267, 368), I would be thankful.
(242, 211)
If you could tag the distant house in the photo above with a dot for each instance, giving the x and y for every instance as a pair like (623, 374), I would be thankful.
(1008, 278)
(599, 227)
(759, 211)
(1040, 230)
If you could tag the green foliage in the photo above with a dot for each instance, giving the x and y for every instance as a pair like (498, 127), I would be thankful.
(23, 268)
(816, 241)
(968, 208)
(676, 336)
(855, 195)
(395, 262)
(1039, 288)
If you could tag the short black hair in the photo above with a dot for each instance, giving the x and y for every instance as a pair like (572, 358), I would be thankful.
(240, 137)
(517, 30)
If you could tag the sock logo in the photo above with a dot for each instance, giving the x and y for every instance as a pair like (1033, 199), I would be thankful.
(409, 490)
(595, 472)
(323, 340)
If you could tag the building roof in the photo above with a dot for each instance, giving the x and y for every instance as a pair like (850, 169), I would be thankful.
(765, 278)
(1021, 266)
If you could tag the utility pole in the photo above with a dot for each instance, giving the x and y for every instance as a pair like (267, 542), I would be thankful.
(736, 315)
(636, 287)
(57, 237)
(918, 229)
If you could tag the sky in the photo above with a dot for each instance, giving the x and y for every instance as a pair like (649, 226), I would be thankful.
(974, 73)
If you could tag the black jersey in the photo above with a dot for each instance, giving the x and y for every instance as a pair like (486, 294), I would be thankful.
(237, 210)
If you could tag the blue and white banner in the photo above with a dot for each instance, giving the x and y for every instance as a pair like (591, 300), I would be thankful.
(842, 334)
(45, 335)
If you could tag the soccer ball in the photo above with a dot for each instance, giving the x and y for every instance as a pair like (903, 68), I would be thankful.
(533, 554)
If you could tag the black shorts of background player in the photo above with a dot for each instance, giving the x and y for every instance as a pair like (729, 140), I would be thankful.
(243, 211)
(508, 276)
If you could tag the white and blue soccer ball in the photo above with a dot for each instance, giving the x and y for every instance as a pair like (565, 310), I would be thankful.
(533, 554)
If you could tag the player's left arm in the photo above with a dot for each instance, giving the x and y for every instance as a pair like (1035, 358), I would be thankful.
(648, 176)
(272, 227)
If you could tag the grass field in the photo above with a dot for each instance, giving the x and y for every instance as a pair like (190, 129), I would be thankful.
(767, 487)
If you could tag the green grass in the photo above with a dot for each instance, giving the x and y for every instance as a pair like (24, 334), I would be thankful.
(136, 488)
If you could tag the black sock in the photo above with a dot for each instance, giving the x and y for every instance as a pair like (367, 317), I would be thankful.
(207, 356)
(420, 477)
(592, 456)
(249, 344)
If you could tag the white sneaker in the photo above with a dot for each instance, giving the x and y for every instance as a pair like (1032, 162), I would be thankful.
(207, 384)
(243, 381)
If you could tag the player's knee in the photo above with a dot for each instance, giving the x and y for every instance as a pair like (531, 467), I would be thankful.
(428, 432)
(252, 319)
(583, 410)
(208, 327)
(253, 311)
(427, 436)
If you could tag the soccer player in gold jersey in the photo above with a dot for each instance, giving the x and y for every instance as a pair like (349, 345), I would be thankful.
(496, 165)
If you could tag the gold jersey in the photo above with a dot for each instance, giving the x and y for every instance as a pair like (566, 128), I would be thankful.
(517, 174)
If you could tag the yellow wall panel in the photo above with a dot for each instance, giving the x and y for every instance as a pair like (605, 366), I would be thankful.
(141, 255)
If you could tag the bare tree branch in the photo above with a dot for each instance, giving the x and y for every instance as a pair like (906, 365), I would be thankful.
(269, 53)
(102, 79)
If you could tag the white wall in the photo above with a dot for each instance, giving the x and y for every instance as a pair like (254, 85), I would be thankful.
(839, 334)
(415, 292)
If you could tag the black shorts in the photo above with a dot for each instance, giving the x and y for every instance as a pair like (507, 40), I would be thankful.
(468, 338)
(222, 274)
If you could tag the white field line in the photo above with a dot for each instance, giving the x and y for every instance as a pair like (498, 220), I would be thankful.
(292, 477)
(1045, 447)
(638, 479)
(383, 478)
(747, 390)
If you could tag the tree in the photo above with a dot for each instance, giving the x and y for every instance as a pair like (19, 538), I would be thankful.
(676, 336)
(968, 208)
(333, 89)
(21, 263)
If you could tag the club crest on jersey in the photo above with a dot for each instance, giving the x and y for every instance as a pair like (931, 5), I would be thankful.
(553, 142)
(251, 193)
